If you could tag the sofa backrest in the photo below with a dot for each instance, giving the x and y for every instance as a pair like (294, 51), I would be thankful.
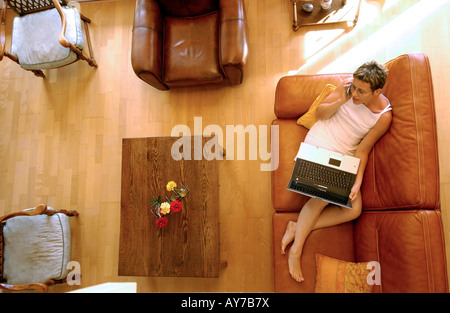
(403, 168)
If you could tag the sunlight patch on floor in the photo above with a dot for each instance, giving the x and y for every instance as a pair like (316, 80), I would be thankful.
(401, 27)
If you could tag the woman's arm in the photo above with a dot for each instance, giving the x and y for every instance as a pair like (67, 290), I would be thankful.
(333, 102)
(366, 145)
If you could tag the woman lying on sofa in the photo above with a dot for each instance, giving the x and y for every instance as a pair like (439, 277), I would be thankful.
(350, 121)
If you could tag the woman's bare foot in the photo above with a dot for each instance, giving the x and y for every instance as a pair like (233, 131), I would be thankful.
(294, 266)
(288, 236)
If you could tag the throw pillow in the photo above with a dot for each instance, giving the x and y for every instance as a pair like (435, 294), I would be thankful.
(309, 118)
(337, 276)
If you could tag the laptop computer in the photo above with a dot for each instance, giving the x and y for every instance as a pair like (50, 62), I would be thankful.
(324, 174)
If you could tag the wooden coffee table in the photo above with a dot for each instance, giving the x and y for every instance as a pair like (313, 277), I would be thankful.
(189, 245)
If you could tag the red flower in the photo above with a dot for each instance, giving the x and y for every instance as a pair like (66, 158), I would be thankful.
(175, 206)
(161, 222)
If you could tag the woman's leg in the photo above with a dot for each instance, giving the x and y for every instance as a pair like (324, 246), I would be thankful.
(334, 215)
(307, 218)
(328, 216)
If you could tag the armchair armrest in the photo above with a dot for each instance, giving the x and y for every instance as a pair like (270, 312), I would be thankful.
(39, 287)
(66, 43)
(147, 43)
(40, 209)
(233, 39)
(61, 37)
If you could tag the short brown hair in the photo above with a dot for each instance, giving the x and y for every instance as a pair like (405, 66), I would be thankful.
(372, 73)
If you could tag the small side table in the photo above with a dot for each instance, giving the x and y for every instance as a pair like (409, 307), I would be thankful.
(341, 11)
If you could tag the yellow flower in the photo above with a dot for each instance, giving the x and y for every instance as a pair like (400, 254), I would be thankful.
(165, 208)
(171, 185)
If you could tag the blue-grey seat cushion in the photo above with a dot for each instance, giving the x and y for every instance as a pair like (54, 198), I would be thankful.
(36, 248)
(35, 39)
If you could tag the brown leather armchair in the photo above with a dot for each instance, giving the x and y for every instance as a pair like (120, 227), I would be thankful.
(189, 43)
(401, 224)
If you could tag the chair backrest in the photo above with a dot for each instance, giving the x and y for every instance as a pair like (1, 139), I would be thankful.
(186, 8)
(22, 7)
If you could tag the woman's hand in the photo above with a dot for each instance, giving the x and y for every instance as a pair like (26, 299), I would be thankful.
(333, 102)
(354, 192)
(344, 95)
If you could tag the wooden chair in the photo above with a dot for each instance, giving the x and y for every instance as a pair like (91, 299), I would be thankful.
(35, 246)
(46, 34)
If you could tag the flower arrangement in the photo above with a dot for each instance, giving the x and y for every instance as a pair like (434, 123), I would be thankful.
(161, 209)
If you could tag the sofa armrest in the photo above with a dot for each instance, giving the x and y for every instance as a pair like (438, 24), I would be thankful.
(295, 94)
(147, 43)
(233, 40)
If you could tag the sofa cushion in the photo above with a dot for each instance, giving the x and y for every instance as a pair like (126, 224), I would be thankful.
(408, 244)
(41, 49)
(336, 242)
(37, 248)
(290, 137)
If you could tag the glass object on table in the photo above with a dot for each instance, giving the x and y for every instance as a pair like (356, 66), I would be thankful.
(326, 4)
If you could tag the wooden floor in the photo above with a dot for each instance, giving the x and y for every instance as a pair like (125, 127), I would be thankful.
(61, 137)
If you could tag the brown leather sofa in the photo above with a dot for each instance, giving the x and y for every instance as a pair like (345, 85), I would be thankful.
(180, 43)
(401, 226)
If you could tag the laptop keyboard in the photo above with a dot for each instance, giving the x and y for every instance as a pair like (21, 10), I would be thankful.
(314, 192)
(324, 175)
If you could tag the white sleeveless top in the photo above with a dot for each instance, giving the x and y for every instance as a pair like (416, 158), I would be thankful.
(345, 129)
